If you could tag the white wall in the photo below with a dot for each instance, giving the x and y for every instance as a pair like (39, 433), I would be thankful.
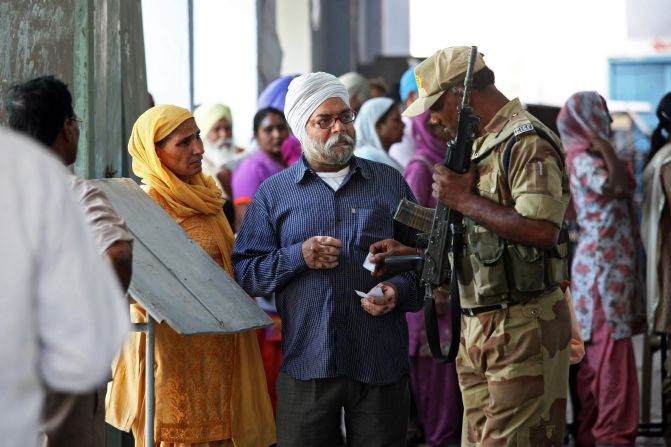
(224, 56)
(225, 59)
(649, 18)
(293, 31)
(166, 43)
(540, 50)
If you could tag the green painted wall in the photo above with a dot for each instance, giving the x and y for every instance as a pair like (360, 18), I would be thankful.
(97, 48)
(36, 38)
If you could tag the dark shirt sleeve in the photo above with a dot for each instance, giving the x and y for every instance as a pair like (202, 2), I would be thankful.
(261, 265)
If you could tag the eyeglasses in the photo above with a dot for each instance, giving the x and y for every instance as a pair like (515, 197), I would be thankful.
(328, 121)
(76, 120)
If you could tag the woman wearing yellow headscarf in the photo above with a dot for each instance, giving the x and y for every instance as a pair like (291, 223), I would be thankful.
(211, 389)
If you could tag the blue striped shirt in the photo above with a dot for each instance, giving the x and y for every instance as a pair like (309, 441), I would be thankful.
(325, 331)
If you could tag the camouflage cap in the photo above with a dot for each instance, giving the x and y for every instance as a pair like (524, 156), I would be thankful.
(445, 69)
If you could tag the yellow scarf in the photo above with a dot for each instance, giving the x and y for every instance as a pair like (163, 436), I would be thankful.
(199, 196)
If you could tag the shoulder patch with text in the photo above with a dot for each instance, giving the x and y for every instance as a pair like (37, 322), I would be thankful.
(524, 128)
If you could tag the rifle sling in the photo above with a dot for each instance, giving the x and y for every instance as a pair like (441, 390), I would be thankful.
(430, 317)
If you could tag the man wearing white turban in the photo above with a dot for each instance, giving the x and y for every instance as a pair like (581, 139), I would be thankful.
(358, 89)
(304, 240)
(221, 156)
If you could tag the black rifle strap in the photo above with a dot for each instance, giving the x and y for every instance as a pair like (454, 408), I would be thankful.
(431, 327)
(430, 317)
(455, 297)
(541, 133)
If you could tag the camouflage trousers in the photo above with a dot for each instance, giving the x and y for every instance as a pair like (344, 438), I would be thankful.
(513, 373)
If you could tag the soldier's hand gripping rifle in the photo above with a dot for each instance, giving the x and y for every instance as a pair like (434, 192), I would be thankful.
(447, 234)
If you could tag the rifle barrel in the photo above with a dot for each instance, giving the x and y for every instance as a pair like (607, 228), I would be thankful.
(468, 81)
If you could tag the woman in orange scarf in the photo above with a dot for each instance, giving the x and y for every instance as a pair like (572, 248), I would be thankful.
(210, 390)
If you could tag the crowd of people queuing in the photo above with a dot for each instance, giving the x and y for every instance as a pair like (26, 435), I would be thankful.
(293, 215)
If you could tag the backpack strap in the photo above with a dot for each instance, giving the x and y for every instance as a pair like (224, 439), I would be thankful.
(538, 131)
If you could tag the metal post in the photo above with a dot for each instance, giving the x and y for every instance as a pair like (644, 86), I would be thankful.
(646, 380)
(149, 383)
(150, 402)
(663, 352)
(84, 89)
(191, 69)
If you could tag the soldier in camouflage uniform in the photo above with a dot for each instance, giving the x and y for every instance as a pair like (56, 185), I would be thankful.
(516, 330)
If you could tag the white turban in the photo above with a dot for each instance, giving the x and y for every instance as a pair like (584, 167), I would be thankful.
(356, 85)
(306, 93)
(207, 115)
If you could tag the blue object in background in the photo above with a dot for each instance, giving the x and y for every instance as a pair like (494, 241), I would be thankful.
(645, 79)
(641, 79)
(275, 93)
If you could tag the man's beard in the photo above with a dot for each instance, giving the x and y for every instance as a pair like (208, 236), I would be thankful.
(223, 143)
(326, 153)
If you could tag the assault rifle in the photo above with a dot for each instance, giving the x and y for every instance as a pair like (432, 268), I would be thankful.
(447, 235)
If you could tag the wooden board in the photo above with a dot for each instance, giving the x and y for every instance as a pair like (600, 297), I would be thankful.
(173, 277)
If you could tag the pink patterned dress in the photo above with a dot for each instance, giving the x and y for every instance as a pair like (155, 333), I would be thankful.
(604, 262)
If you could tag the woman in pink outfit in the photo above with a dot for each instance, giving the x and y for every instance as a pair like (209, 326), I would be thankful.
(606, 286)
(435, 386)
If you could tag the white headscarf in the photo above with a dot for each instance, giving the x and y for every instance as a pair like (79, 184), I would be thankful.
(370, 113)
(368, 144)
(305, 94)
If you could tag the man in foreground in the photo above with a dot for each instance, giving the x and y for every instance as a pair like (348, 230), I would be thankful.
(64, 313)
(305, 238)
(42, 109)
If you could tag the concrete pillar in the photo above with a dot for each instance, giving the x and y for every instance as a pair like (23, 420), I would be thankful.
(369, 35)
(269, 49)
(334, 34)
(96, 47)
(110, 83)
(349, 33)
(36, 38)
(395, 28)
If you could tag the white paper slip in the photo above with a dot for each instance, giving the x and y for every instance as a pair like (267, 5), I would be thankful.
(375, 293)
(367, 264)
